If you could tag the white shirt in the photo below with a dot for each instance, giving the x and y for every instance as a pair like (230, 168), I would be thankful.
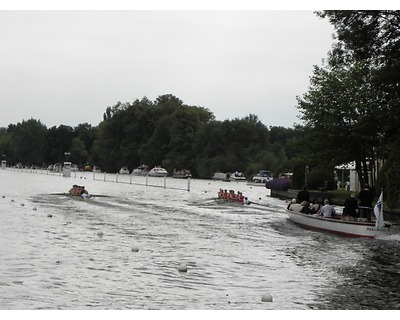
(327, 211)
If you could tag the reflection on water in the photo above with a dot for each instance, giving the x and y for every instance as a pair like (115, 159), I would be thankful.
(124, 251)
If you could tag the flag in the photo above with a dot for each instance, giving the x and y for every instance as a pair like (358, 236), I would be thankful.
(378, 211)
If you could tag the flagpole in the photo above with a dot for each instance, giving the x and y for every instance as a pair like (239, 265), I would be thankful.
(378, 211)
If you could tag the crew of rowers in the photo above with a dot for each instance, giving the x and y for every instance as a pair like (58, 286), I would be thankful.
(79, 191)
(232, 196)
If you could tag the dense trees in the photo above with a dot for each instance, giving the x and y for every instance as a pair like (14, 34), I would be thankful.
(351, 111)
(31, 143)
(164, 132)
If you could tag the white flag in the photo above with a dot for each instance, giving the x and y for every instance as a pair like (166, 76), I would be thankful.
(378, 211)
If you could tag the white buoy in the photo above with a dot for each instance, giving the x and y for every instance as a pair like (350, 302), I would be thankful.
(135, 249)
(182, 268)
(100, 233)
(266, 297)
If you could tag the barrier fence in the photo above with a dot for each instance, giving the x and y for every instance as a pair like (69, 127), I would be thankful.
(159, 182)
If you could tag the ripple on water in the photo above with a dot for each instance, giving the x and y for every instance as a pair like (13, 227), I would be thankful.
(233, 255)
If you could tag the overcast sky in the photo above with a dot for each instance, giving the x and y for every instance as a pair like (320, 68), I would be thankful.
(67, 67)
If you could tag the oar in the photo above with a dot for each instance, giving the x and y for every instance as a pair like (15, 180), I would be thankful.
(259, 204)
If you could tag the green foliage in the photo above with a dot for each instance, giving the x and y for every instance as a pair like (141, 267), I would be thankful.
(360, 87)
(389, 176)
(320, 178)
(26, 140)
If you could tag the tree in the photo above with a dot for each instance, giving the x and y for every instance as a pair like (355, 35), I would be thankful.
(368, 48)
(26, 144)
(344, 113)
(58, 140)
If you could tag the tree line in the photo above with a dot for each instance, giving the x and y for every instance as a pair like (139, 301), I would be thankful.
(165, 132)
(350, 113)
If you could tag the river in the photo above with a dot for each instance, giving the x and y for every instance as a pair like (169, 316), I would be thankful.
(125, 251)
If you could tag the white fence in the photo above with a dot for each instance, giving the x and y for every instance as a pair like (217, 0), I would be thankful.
(160, 182)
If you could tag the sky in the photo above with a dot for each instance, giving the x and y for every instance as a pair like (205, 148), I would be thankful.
(67, 66)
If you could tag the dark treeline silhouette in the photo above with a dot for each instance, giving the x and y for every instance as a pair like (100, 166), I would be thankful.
(165, 132)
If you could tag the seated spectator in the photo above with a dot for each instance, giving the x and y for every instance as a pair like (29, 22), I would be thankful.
(327, 211)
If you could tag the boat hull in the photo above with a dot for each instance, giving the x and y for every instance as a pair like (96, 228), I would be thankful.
(337, 226)
(158, 172)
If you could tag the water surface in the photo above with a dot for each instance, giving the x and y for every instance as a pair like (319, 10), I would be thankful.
(124, 251)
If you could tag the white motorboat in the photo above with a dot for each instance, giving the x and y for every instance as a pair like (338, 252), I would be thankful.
(263, 176)
(221, 176)
(124, 170)
(338, 226)
(142, 170)
(158, 172)
(181, 174)
(237, 176)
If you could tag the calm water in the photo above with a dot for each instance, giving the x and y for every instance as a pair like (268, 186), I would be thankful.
(124, 251)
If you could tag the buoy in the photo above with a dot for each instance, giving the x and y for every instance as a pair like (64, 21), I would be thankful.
(3, 197)
(22, 204)
(182, 268)
(135, 249)
(100, 233)
(12, 200)
(266, 297)
(34, 209)
(49, 215)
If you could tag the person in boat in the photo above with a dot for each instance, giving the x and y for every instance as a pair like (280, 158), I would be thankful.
(350, 208)
(295, 206)
(240, 197)
(72, 190)
(305, 207)
(365, 205)
(303, 195)
(75, 190)
(232, 195)
(85, 194)
(327, 211)
(315, 206)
